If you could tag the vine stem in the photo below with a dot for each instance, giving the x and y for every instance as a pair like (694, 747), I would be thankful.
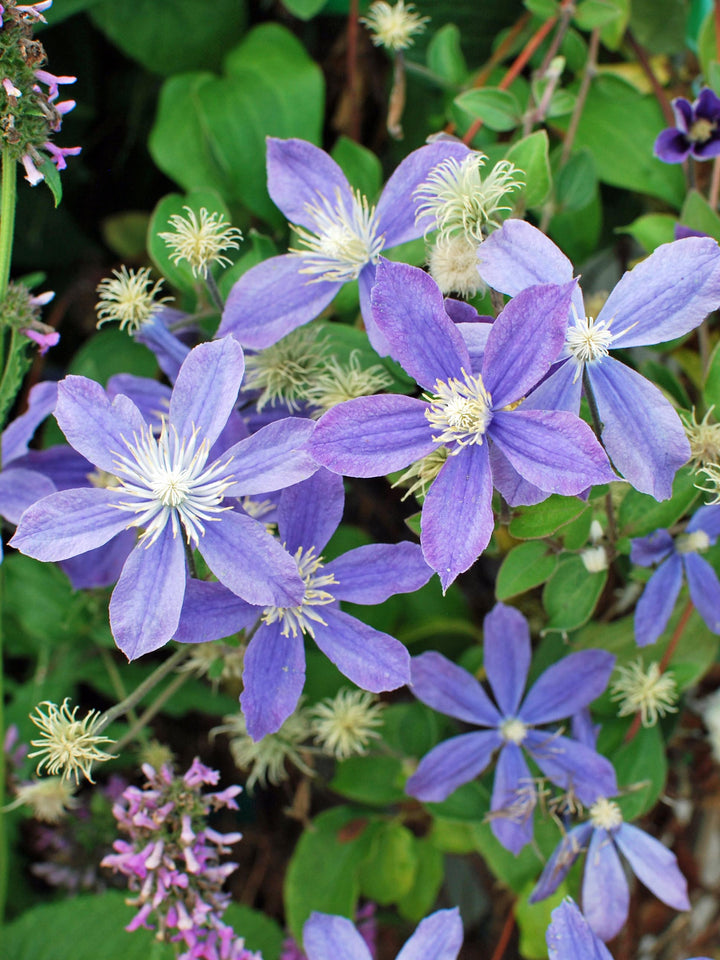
(588, 74)
(213, 290)
(139, 725)
(505, 935)
(352, 71)
(7, 218)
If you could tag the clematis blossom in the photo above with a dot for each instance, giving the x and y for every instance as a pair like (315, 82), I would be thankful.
(438, 937)
(665, 296)
(696, 132)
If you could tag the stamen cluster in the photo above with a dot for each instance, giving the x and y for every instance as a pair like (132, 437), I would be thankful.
(68, 746)
(461, 410)
(201, 242)
(300, 619)
(648, 692)
(130, 298)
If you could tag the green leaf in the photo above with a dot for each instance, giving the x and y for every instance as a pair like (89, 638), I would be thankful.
(707, 44)
(641, 761)
(711, 389)
(304, 9)
(420, 898)
(544, 9)
(498, 109)
(112, 351)
(322, 873)
(544, 519)
(445, 57)
(389, 871)
(533, 920)
(576, 182)
(360, 166)
(469, 802)
(651, 230)
(260, 932)
(659, 25)
(17, 363)
(597, 13)
(699, 215)
(531, 155)
(641, 514)
(125, 233)
(611, 35)
(526, 566)
(375, 780)
(518, 871)
(570, 596)
(171, 36)
(51, 176)
(410, 728)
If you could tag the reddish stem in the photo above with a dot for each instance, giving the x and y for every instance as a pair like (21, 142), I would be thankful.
(660, 94)
(352, 79)
(505, 935)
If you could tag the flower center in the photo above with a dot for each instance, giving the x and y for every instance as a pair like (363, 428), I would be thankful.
(589, 340)
(300, 619)
(696, 542)
(460, 410)
(513, 730)
(605, 814)
(169, 482)
(344, 239)
(701, 130)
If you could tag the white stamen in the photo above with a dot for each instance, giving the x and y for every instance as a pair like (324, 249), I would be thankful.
(605, 814)
(696, 542)
(513, 730)
(589, 339)
(461, 411)
(300, 619)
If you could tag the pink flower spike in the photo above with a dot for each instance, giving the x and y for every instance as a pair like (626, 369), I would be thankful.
(10, 89)
(43, 340)
(58, 154)
(42, 299)
(52, 82)
(32, 174)
(32, 11)
(65, 106)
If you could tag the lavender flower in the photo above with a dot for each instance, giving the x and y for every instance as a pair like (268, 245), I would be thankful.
(371, 436)
(560, 691)
(664, 297)
(675, 556)
(172, 488)
(438, 937)
(696, 132)
(172, 861)
(366, 925)
(340, 238)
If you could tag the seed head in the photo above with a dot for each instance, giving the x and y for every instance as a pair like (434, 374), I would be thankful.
(201, 242)
(129, 298)
(338, 382)
(67, 745)
(343, 725)
(266, 759)
(394, 27)
(649, 692)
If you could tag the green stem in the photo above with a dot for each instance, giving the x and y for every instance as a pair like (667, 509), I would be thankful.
(7, 218)
(138, 727)
(214, 291)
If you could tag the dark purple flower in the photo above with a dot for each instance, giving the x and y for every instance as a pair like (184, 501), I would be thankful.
(438, 937)
(696, 131)
(664, 297)
(339, 238)
(562, 690)
(675, 556)
(371, 436)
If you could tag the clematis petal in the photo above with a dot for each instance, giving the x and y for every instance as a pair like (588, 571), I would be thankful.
(654, 865)
(561, 390)
(372, 436)
(243, 556)
(513, 800)
(20, 489)
(17, 435)
(572, 765)
(372, 573)
(271, 459)
(438, 937)
(605, 892)
(524, 341)
(373, 660)
(273, 679)
(408, 308)
(366, 283)
(507, 655)
(645, 551)
(569, 936)
(103, 565)
(567, 686)
(704, 589)
(657, 602)
(206, 389)
(457, 516)
(642, 434)
(146, 603)
(70, 522)
(666, 295)
(210, 612)
(298, 174)
(443, 685)
(563, 857)
(150, 397)
(310, 512)
(451, 764)
(327, 937)
(552, 449)
(509, 484)
(271, 300)
(672, 146)
(707, 519)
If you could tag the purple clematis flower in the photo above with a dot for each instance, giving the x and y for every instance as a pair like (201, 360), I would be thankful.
(340, 238)
(172, 488)
(676, 556)
(665, 296)
(559, 692)
(372, 436)
(696, 132)
(438, 937)
(274, 665)
(605, 891)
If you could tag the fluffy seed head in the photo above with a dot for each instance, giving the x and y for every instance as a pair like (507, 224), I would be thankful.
(338, 382)
(343, 725)
(68, 746)
(420, 474)
(200, 242)
(394, 27)
(453, 264)
(283, 371)
(266, 759)
(129, 298)
(648, 692)
(50, 799)
(704, 438)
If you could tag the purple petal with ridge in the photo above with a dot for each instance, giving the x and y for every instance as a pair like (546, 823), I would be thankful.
(310, 512)
(150, 397)
(372, 436)
(67, 468)
(552, 449)
(409, 309)
(206, 389)
(210, 612)
(169, 350)
(17, 435)
(272, 299)
(146, 603)
(70, 522)
(666, 295)
(443, 685)
(684, 113)
(654, 865)
(475, 336)
(524, 341)
(438, 937)
(704, 589)
(563, 857)
(327, 937)
(451, 764)
(572, 765)
(657, 602)
(103, 565)
(605, 892)
(298, 173)
(513, 800)
(95, 427)
(645, 551)
(373, 660)
(243, 556)
(518, 256)
(271, 459)
(372, 573)
(273, 678)
(508, 482)
(20, 489)
(567, 686)
(561, 390)
(507, 656)
(707, 518)
(569, 936)
(366, 285)
(642, 433)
